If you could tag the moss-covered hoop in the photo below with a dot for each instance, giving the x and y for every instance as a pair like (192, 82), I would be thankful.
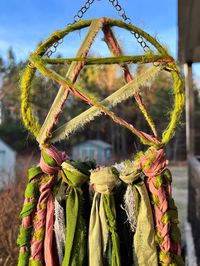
(38, 62)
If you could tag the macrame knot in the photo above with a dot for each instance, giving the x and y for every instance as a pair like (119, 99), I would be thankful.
(103, 180)
(72, 176)
(51, 160)
(130, 172)
(153, 162)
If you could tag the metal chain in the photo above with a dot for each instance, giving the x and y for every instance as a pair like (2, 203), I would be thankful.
(122, 14)
(76, 19)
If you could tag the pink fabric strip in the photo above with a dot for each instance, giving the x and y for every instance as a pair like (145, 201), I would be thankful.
(73, 79)
(127, 75)
(40, 220)
(48, 247)
(47, 169)
(55, 154)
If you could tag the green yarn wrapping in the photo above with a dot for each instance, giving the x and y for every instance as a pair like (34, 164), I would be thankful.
(146, 58)
(30, 122)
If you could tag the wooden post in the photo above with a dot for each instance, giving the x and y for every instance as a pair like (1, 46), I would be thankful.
(189, 109)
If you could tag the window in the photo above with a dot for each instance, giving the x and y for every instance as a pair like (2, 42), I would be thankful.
(84, 153)
(108, 154)
(2, 159)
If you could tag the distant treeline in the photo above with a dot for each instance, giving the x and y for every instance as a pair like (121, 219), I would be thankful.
(101, 81)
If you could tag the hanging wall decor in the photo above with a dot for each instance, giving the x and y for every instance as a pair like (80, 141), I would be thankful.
(77, 213)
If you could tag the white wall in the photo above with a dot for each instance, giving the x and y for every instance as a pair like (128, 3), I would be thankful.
(7, 161)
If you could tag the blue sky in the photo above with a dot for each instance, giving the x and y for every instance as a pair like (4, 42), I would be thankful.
(24, 23)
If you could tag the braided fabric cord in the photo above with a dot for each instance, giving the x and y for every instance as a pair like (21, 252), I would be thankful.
(160, 190)
(27, 215)
(37, 244)
(41, 244)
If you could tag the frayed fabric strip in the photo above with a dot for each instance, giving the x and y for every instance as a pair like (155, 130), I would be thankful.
(59, 229)
(131, 207)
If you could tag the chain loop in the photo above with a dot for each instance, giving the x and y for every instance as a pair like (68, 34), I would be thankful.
(122, 14)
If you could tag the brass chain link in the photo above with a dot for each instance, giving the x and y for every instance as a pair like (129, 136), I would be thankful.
(84, 9)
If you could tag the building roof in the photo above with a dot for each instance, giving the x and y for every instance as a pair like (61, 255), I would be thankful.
(189, 31)
(99, 143)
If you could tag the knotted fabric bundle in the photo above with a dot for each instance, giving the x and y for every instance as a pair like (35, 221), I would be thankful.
(103, 237)
(139, 213)
(76, 230)
(37, 215)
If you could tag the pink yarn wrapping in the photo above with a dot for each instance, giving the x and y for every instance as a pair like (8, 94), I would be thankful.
(157, 166)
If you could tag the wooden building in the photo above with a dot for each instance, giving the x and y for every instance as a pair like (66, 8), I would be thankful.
(98, 150)
(188, 54)
(7, 163)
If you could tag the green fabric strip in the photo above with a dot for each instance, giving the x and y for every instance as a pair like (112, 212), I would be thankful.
(27, 209)
(104, 226)
(48, 159)
(32, 190)
(24, 236)
(144, 238)
(36, 263)
(33, 172)
(73, 176)
(23, 258)
(75, 248)
(109, 207)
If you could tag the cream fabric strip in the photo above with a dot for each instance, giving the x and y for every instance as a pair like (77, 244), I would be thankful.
(144, 238)
(98, 232)
(103, 180)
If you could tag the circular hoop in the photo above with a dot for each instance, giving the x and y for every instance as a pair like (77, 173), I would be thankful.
(32, 124)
